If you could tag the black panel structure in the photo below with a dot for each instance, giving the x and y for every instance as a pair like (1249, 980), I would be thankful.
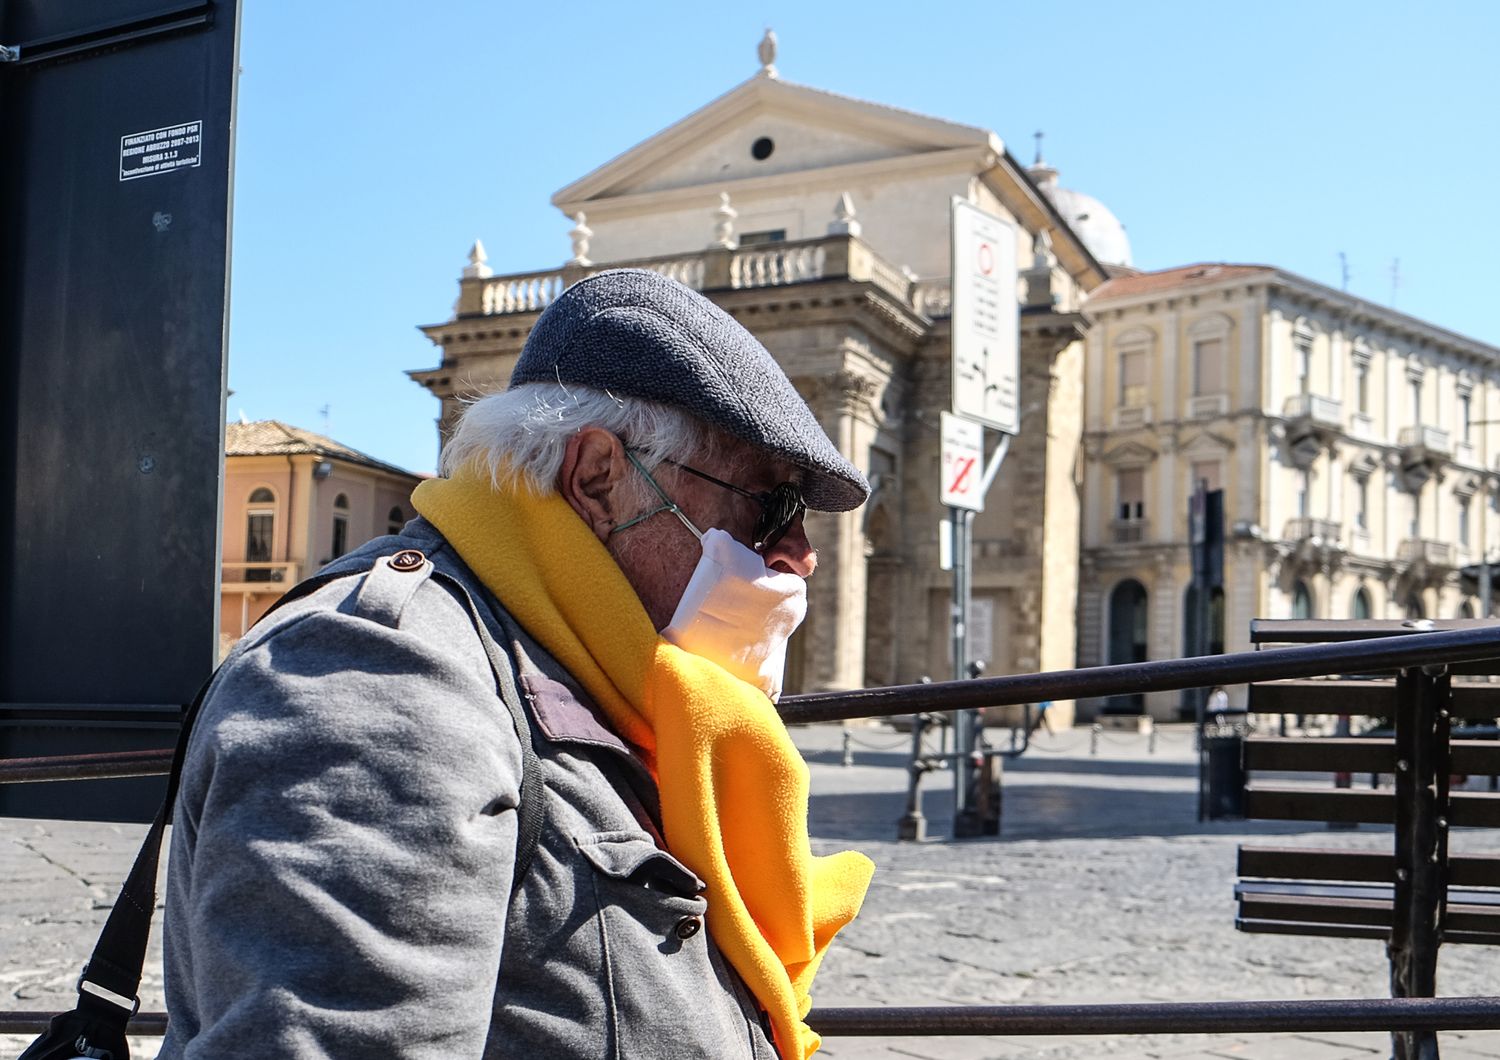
(116, 134)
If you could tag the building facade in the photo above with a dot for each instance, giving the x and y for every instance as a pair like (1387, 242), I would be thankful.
(821, 223)
(293, 501)
(1356, 448)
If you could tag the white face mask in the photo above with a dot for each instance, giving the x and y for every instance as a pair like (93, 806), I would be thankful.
(738, 613)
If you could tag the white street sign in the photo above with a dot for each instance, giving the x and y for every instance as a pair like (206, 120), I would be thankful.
(986, 319)
(962, 466)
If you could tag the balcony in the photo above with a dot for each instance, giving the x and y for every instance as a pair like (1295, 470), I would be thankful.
(1128, 531)
(1314, 410)
(1132, 416)
(737, 268)
(258, 577)
(1324, 532)
(1423, 551)
(1362, 426)
(1207, 406)
(1426, 440)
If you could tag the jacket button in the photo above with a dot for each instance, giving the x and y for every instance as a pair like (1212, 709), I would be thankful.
(688, 926)
(408, 559)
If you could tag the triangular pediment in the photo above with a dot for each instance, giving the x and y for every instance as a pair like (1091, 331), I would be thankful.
(1207, 443)
(807, 129)
(1129, 453)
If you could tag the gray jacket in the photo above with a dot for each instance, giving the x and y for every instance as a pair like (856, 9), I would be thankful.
(341, 862)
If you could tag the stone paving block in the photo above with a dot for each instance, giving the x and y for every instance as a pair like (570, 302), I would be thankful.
(1102, 888)
(1292, 1047)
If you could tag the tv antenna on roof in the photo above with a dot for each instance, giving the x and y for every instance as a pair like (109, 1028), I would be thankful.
(1344, 269)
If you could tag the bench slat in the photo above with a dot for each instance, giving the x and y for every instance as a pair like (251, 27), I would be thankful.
(1358, 754)
(1316, 864)
(1353, 805)
(1323, 754)
(1323, 631)
(1475, 809)
(1346, 805)
(1284, 927)
(1286, 907)
(1361, 697)
(1369, 866)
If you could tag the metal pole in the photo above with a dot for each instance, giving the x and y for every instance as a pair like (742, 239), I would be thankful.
(913, 824)
(1484, 582)
(1420, 846)
(965, 817)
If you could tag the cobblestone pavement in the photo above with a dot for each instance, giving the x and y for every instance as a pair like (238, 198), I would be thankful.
(1102, 888)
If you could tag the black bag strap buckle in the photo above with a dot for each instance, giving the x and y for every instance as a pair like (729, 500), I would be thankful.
(132, 1005)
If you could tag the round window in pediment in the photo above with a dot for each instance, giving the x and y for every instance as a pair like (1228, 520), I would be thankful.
(761, 149)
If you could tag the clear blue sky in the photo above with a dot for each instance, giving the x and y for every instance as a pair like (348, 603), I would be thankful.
(377, 140)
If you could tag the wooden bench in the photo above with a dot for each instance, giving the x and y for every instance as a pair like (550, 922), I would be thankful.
(1417, 895)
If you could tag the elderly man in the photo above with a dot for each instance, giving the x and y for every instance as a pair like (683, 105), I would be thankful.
(479, 788)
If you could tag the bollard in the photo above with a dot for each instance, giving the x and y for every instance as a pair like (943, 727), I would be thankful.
(1094, 738)
(1151, 741)
(848, 747)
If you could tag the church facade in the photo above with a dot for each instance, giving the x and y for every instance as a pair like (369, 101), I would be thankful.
(1356, 446)
(821, 223)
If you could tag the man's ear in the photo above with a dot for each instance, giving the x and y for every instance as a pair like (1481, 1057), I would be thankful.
(593, 468)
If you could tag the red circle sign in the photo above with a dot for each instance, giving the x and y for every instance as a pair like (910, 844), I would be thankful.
(986, 259)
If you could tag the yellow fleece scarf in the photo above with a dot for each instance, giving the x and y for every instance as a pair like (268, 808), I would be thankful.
(733, 787)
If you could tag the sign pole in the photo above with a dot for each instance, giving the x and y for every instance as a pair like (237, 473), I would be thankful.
(985, 326)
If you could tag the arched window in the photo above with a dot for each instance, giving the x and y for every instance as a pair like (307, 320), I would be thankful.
(1360, 608)
(340, 525)
(1301, 601)
(1127, 638)
(395, 520)
(260, 533)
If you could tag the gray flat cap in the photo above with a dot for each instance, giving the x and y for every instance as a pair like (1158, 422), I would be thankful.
(630, 331)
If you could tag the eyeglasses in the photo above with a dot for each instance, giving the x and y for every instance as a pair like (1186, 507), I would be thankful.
(780, 507)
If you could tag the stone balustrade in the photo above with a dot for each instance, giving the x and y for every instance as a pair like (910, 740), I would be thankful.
(763, 265)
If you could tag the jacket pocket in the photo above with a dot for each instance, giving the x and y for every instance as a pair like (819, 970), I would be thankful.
(640, 876)
(665, 996)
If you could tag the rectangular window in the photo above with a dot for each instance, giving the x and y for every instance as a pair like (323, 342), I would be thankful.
(1304, 492)
(258, 529)
(1416, 402)
(1362, 387)
(340, 535)
(1414, 526)
(1130, 492)
(1362, 503)
(1208, 367)
(1466, 412)
(1206, 472)
(756, 239)
(1133, 378)
(1463, 522)
(1304, 367)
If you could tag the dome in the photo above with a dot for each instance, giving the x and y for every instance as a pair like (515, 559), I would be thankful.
(1095, 223)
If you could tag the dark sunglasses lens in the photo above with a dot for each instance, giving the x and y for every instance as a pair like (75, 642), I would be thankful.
(779, 510)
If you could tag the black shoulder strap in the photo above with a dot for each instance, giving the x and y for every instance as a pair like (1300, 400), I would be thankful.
(531, 811)
(107, 987)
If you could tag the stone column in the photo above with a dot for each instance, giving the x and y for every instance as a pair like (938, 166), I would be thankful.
(835, 647)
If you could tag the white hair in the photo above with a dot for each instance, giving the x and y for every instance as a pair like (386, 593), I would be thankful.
(519, 435)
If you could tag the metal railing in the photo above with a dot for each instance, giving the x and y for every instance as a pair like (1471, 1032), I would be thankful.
(1415, 650)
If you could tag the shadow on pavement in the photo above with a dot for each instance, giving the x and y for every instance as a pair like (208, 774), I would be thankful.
(1036, 812)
